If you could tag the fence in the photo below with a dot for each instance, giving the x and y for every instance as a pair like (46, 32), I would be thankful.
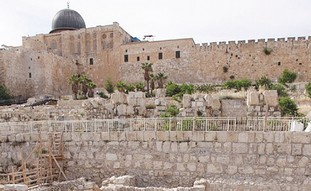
(153, 124)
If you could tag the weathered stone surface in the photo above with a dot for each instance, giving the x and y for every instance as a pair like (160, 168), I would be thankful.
(121, 109)
(118, 98)
(271, 97)
(15, 187)
(186, 102)
(252, 98)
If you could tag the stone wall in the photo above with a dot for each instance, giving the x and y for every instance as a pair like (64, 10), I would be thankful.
(135, 104)
(170, 159)
(115, 56)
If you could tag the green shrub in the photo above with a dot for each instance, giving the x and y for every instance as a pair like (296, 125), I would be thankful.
(238, 84)
(280, 89)
(171, 111)
(287, 77)
(288, 107)
(205, 88)
(187, 88)
(139, 86)
(121, 86)
(109, 86)
(129, 88)
(172, 89)
(102, 95)
(267, 50)
(308, 89)
(4, 93)
(177, 91)
(265, 82)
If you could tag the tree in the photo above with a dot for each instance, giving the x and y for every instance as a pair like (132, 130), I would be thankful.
(90, 84)
(84, 80)
(288, 107)
(4, 93)
(147, 67)
(74, 81)
(81, 83)
(153, 79)
(287, 77)
(160, 78)
(109, 86)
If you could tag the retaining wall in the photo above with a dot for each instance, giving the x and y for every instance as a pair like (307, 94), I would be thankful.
(171, 159)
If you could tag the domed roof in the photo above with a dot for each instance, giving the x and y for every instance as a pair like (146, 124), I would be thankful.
(67, 19)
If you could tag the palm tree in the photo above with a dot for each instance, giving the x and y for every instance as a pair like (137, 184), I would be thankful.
(74, 81)
(83, 80)
(90, 84)
(153, 79)
(147, 67)
(160, 78)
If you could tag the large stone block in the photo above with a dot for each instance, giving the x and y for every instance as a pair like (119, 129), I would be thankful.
(130, 110)
(118, 98)
(186, 101)
(141, 102)
(240, 148)
(160, 93)
(15, 187)
(214, 168)
(111, 157)
(140, 94)
(121, 110)
(271, 98)
(215, 104)
(252, 98)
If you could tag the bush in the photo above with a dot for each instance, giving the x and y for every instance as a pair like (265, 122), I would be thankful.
(129, 88)
(280, 89)
(109, 86)
(172, 89)
(288, 107)
(287, 77)
(121, 86)
(171, 111)
(102, 95)
(4, 93)
(265, 82)
(187, 88)
(267, 50)
(308, 89)
(205, 88)
(139, 86)
(238, 84)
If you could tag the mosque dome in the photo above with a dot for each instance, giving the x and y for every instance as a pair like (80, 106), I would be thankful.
(67, 19)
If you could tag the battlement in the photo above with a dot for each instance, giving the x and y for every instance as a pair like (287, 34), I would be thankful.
(253, 42)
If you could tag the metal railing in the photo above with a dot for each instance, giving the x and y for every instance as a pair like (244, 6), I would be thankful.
(153, 124)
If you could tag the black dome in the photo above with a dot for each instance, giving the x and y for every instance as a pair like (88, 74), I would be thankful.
(67, 19)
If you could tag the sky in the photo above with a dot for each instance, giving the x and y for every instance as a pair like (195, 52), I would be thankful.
(203, 20)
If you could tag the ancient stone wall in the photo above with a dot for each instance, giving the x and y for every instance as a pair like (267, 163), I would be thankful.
(217, 62)
(170, 159)
(107, 52)
(35, 72)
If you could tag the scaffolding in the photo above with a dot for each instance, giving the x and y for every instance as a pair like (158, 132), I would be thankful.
(47, 167)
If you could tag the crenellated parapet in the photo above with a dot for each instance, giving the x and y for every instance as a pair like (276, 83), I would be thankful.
(254, 42)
